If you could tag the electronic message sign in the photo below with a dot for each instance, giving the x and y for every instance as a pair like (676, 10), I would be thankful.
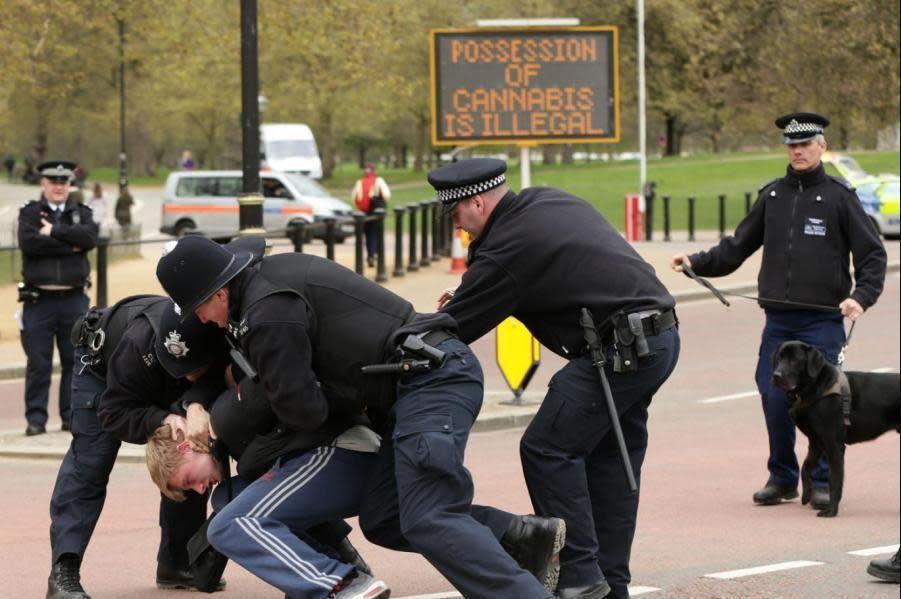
(535, 85)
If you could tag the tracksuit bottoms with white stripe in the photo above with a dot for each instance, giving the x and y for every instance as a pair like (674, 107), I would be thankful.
(263, 527)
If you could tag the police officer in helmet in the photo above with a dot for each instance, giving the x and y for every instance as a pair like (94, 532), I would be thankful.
(308, 327)
(139, 367)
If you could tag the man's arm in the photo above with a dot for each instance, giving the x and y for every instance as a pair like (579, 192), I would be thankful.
(83, 235)
(124, 409)
(486, 296)
(868, 254)
(32, 241)
(731, 252)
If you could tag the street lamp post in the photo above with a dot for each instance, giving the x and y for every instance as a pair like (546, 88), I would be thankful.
(250, 204)
(123, 162)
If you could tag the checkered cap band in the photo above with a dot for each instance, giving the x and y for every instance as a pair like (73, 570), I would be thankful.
(455, 194)
(796, 127)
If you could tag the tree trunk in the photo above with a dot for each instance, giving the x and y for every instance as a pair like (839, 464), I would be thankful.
(567, 154)
(548, 154)
(327, 146)
(422, 127)
(361, 156)
(671, 148)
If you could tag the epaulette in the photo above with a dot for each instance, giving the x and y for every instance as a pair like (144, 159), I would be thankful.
(843, 182)
(765, 185)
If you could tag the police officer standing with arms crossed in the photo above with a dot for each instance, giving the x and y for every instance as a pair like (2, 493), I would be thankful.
(308, 326)
(542, 256)
(807, 223)
(55, 234)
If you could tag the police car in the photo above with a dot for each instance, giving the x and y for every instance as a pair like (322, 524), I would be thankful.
(207, 202)
(879, 194)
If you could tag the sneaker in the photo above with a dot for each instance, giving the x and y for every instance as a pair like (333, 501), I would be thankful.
(886, 569)
(535, 543)
(360, 586)
(65, 579)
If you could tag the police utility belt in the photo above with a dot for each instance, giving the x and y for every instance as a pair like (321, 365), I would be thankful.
(628, 334)
(31, 294)
(89, 334)
(416, 353)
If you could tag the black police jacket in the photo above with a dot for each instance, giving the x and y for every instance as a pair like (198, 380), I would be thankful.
(542, 256)
(807, 223)
(139, 392)
(308, 326)
(60, 258)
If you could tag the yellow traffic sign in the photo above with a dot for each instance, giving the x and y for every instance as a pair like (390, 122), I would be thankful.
(518, 354)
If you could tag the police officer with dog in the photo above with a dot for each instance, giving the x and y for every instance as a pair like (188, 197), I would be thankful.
(55, 234)
(135, 365)
(808, 224)
(551, 260)
(325, 342)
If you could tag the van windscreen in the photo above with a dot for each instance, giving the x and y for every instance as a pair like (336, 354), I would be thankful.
(291, 148)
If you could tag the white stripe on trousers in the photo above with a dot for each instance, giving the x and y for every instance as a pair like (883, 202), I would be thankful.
(293, 482)
(286, 555)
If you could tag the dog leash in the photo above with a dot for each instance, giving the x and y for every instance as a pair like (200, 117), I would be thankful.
(720, 296)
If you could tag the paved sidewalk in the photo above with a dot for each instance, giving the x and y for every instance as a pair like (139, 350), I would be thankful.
(422, 288)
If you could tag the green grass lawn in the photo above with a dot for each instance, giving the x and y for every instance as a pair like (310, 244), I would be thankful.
(703, 177)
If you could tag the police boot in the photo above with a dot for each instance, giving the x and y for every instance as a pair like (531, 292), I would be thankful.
(886, 569)
(173, 578)
(65, 579)
(771, 494)
(535, 543)
(349, 555)
(819, 498)
(598, 590)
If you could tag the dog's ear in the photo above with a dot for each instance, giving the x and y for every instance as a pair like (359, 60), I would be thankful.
(815, 362)
(777, 355)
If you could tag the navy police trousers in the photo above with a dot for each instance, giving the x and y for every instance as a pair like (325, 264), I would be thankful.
(572, 463)
(419, 496)
(824, 331)
(80, 489)
(49, 318)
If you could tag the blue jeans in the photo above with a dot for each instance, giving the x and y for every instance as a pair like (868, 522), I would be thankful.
(826, 332)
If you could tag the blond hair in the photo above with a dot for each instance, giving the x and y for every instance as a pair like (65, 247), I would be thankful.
(163, 459)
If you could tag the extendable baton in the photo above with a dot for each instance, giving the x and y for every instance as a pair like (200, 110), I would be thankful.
(597, 356)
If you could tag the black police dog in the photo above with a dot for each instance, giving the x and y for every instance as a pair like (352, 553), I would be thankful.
(807, 378)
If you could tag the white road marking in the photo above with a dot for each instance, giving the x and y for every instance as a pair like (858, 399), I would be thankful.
(762, 569)
(635, 591)
(883, 369)
(875, 550)
(720, 398)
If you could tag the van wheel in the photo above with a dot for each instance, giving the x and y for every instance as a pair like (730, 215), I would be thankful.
(184, 228)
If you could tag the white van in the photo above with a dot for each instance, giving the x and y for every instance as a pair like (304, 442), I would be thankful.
(290, 148)
(207, 202)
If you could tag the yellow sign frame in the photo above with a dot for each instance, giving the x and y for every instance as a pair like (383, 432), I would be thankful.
(517, 353)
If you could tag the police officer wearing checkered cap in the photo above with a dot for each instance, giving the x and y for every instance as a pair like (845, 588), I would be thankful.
(542, 255)
(55, 235)
(811, 226)
(139, 366)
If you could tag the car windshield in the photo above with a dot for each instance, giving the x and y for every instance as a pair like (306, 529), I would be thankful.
(307, 186)
(849, 168)
(892, 189)
(291, 148)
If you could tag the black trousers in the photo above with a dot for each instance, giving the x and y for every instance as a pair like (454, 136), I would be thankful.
(572, 465)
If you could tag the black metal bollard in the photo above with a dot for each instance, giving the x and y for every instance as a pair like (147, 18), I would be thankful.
(424, 259)
(413, 264)
(691, 219)
(102, 262)
(359, 220)
(747, 202)
(649, 196)
(436, 230)
(399, 241)
(380, 272)
(329, 238)
(666, 221)
(298, 231)
(722, 207)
